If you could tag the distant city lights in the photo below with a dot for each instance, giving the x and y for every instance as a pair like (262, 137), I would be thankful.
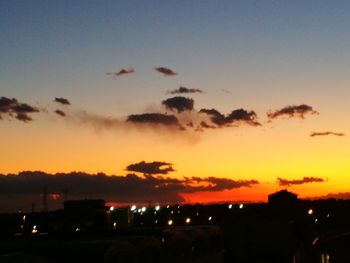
(34, 230)
(210, 218)
(241, 206)
(310, 211)
(188, 220)
(157, 207)
(133, 207)
(143, 209)
(229, 206)
(111, 208)
(170, 222)
(115, 225)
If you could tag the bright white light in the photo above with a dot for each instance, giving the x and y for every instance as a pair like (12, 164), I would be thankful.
(157, 207)
(77, 229)
(167, 206)
(24, 218)
(188, 220)
(316, 220)
(172, 212)
(133, 207)
(139, 210)
(210, 218)
(115, 225)
(229, 206)
(328, 215)
(111, 208)
(156, 222)
(241, 206)
(34, 230)
(170, 222)
(310, 211)
(143, 209)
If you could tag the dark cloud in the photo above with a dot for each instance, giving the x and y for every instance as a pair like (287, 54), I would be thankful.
(292, 111)
(179, 104)
(166, 71)
(151, 168)
(236, 116)
(13, 108)
(313, 134)
(121, 72)
(62, 101)
(305, 180)
(182, 90)
(154, 118)
(61, 113)
(129, 188)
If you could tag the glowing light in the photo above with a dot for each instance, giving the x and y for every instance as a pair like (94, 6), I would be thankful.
(157, 208)
(316, 220)
(156, 222)
(139, 210)
(133, 207)
(77, 229)
(210, 218)
(188, 220)
(229, 206)
(115, 225)
(143, 209)
(111, 208)
(167, 206)
(241, 206)
(170, 222)
(34, 230)
(310, 211)
(24, 218)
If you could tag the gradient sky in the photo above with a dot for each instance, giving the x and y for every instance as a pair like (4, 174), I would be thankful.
(255, 55)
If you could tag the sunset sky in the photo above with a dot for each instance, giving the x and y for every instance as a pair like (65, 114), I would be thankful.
(86, 86)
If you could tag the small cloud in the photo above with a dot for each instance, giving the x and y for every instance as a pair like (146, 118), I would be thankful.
(62, 101)
(13, 108)
(151, 168)
(154, 118)
(314, 134)
(226, 91)
(236, 116)
(121, 72)
(242, 115)
(292, 111)
(179, 104)
(305, 180)
(182, 90)
(166, 71)
(61, 113)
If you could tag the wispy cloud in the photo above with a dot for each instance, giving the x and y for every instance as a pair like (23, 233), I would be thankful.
(304, 180)
(184, 90)
(62, 101)
(326, 133)
(179, 104)
(121, 72)
(292, 111)
(151, 167)
(18, 110)
(165, 71)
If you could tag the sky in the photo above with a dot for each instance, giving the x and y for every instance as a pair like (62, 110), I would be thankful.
(181, 101)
